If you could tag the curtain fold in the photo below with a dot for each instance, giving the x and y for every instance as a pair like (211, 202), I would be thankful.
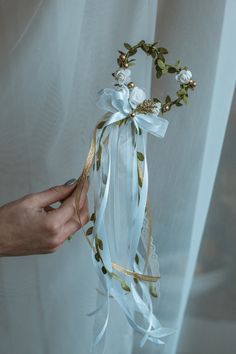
(183, 171)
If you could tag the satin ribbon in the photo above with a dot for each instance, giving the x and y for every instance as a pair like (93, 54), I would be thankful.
(118, 107)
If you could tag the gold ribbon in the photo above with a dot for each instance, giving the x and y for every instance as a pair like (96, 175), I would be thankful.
(80, 186)
(139, 276)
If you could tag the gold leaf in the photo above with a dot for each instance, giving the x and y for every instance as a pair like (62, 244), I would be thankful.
(153, 291)
(93, 217)
(161, 64)
(125, 286)
(140, 156)
(99, 243)
(89, 231)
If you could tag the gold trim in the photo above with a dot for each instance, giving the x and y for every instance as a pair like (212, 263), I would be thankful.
(138, 276)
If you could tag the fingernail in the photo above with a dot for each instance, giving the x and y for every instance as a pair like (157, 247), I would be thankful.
(70, 182)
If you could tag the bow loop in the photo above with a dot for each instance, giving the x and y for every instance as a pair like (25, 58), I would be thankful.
(152, 124)
(120, 102)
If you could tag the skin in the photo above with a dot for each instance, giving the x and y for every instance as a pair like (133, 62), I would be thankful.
(30, 225)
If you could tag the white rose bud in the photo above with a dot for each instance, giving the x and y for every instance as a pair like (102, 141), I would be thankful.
(137, 96)
(123, 76)
(157, 108)
(184, 76)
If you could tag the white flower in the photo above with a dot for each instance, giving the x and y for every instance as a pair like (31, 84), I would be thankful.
(137, 96)
(157, 108)
(123, 76)
(184, 76)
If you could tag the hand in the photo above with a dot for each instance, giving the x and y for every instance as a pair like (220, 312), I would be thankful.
(31, 226)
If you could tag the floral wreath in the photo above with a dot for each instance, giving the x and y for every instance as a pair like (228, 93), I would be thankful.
(183, 76)
(129, 113)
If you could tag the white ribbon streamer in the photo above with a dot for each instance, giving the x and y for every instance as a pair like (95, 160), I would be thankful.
(120, 143)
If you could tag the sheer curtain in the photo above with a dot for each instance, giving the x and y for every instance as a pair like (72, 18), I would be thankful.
(184, 164)
(209, 324)
(55, 56)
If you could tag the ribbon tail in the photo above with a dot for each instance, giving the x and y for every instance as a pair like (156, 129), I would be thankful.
(103, 330)
(152, 124)
(139, 205)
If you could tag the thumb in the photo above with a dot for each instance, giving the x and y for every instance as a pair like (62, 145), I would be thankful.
(55, 194)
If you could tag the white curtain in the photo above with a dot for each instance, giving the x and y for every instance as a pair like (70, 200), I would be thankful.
(54, 57)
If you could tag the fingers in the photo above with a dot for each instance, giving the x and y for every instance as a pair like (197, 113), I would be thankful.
(67, 210)
(74, 225)
(56, 235)
(53, 194)
(84, 192)
(61, 215)
(63, 221)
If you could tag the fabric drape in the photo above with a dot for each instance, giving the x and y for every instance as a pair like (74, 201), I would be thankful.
(55, 56)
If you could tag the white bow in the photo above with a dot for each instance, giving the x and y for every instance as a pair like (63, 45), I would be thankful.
(120, 103)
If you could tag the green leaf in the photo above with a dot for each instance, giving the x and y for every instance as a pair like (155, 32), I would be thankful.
(89, 231)
(101, 124)
(104, 178)
(141, 42)
(140, 181)
(93, 217)
(140, 156)
(97, 257)
(127, 46)
(144, 47)
(154, 44)
(165, 71)
(124, 285)
(115, 276)
(168, 99)
(132, 51)
(153, 291)
(98, 164)
(99, 153)
(131, 64)
(99, 243)
(161, 56)
(158, 73)
(122, 282)
(181, 92)
(153, 54)
(161, 64)
(177, 63)
(172, 70)
(104, 270)
(163, 50)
